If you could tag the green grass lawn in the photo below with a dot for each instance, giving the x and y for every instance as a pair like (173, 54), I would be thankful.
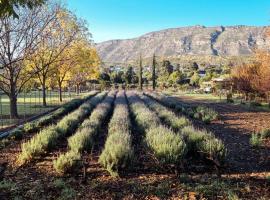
(196, 96)
(30, 104)
(214, 98)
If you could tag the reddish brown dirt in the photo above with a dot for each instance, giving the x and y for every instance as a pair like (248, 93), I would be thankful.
(234, 128)
(244, 174)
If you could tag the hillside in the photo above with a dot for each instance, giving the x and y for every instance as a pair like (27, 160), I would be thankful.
(210, 42)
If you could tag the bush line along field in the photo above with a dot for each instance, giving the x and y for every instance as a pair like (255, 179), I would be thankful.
(161, 125)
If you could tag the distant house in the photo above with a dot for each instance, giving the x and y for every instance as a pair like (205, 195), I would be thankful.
(202, 73)
(207, 86)
(210, 86)
(115, 69)
(224, 83)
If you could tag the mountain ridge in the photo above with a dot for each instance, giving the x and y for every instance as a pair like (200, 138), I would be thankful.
(239, 40)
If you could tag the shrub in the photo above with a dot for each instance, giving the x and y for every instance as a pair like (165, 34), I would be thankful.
(118, 150)
(198, 112)
(16, 134)
(207, 114)
(169, 117)
(38, 144)
(66, 108)
(67, 192)
(167, 146)
(255, 140)
(206, 119)
(265, 133)
(204, 143)
(31, 126)
(83, 139)
(144, 117)
(193, 137)
(67, 161)
(255, 104)
(36, 125)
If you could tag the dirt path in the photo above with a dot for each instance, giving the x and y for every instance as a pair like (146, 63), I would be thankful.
(235, 128)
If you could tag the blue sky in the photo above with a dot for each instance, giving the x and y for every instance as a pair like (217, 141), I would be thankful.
(120, 19)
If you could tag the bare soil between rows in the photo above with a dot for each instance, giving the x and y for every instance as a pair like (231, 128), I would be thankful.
(234, 128)
(244, 173)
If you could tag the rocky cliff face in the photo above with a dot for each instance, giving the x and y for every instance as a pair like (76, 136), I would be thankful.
(195, 40)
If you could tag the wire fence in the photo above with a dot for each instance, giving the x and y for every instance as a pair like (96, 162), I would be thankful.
(30, 104)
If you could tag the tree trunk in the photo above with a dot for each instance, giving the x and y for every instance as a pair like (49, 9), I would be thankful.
(140, 74)
(13, 106)
(44, 94)
(60, 91)
(13, 101)
(60, 94)
(78, 88)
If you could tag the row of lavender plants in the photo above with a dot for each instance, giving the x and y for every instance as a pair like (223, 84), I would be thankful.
(84, 138)
(199, 142)
(167, 146)
(47, 138)
(203, 113)
(118, 151)
(50, 118)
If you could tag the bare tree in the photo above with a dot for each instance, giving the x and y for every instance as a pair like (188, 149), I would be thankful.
(19, 38)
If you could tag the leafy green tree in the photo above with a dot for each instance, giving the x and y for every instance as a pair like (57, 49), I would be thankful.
(117, 77)
(189, 74)
(195, 79)
(165, 71)
(129, 75)
(167, 67)
(154, 73)
(104, 76)
(147, 76)
(206, 78)
(175, 77)
(195, 66)
(8, 7)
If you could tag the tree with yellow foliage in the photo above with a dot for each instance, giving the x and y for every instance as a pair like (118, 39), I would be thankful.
(87, 64)
(77, 63)
(57, 38)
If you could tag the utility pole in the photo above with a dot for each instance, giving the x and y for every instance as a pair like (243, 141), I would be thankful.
(154, 73)
(140, 73)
